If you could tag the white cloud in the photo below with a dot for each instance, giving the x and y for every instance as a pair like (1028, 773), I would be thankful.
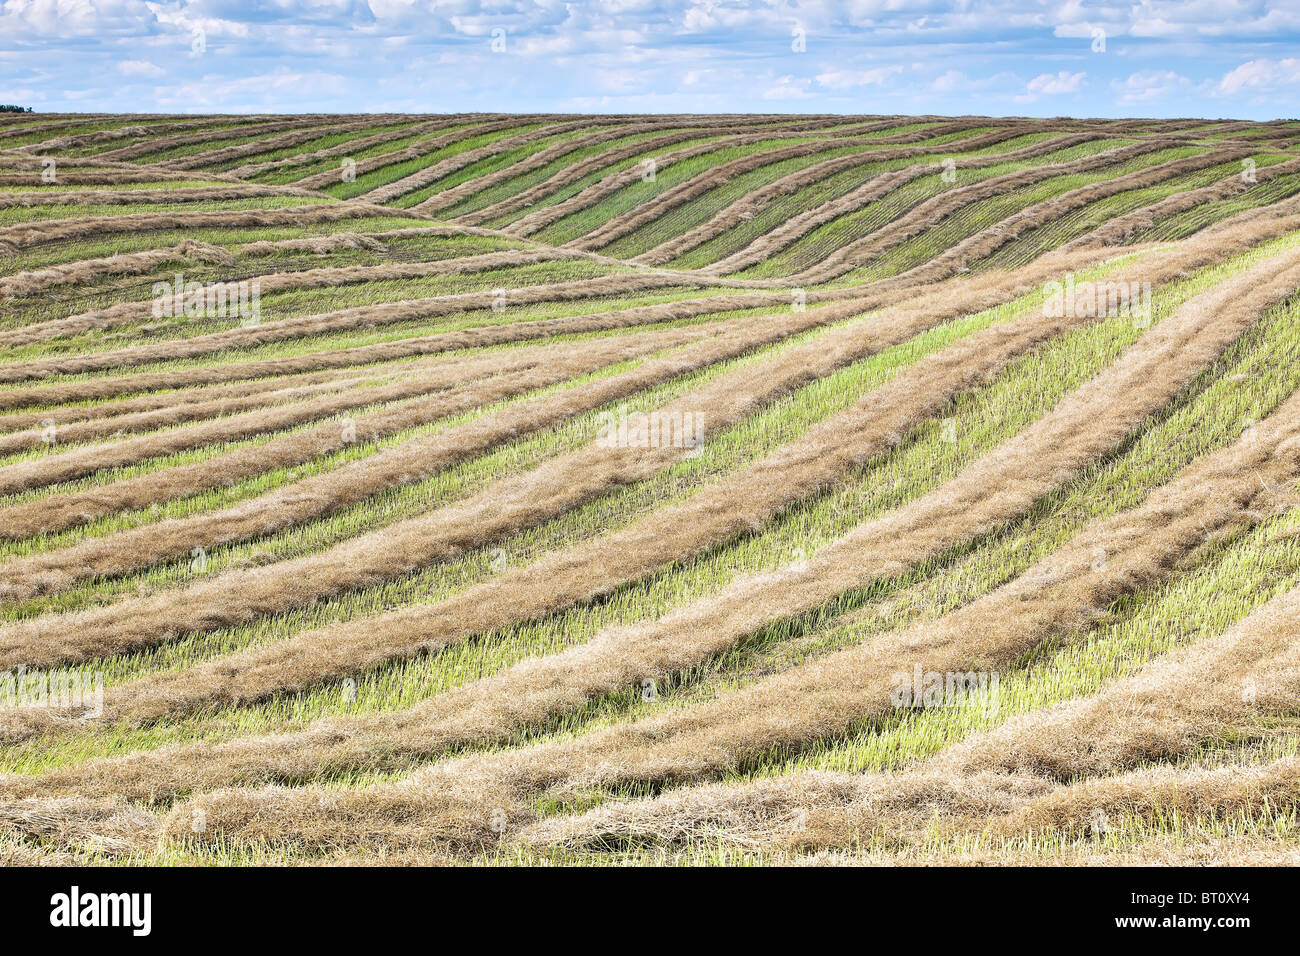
(1177, 19)
(1147, 85)
(787, 88)
(283, 87)
(181, 21)
(1055, 84)
(844, 79)
(21, 96)
(957, 56)
(73, 18)
(950, 82)
(140, 68)
(1262, 75)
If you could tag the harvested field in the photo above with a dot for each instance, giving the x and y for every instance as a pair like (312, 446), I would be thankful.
(491, 488)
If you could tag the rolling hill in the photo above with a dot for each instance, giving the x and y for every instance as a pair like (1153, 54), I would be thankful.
(648, 489)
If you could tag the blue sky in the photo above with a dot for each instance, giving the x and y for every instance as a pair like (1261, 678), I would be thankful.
(1161, 58)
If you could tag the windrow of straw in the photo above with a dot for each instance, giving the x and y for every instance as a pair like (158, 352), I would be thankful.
(125, 313)
(257, 147)
(1268, 219)
(65, 466)
(752, 203)
(435, 171)
(122, 197)
(990, 492)
(12, 125)
(959, 256)
(933, 210)
(513, 502)
(93, 176)
(321, 123)
(193, 404)
(124, 263)
(698, 185)
(449, 197)
(94, 138)
(1216, 689)
(357, 145)
(341, 358)
(61, 511)
(796, 227)
(576, 171)
(365, 317)
(191, 250)
(1122, 228)
(26, 235)
(496, 708)
(416, 150)
(1058, 596)
(508, 377)
(613, 182)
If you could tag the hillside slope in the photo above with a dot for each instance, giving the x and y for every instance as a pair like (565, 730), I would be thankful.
(652, 489)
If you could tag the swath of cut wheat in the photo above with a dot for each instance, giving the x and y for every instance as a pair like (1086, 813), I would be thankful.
(684, 489)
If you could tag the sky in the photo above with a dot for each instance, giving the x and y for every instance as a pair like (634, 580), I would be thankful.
(1161, 58)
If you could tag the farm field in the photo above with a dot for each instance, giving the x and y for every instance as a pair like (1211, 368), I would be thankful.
(671, 489)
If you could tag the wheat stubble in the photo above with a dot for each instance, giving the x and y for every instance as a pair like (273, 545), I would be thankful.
(1059, 595)
(1171, 707)
(498, 707)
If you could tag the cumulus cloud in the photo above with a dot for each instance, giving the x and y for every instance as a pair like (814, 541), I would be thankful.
(73, 18)
(787, 88)
(950, 82)
(940, 56)
(1176, 19)
(1149, 85)
(254, 93)
(1049, 84)
(1262, 76)
(844, 79)
(140, 68)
